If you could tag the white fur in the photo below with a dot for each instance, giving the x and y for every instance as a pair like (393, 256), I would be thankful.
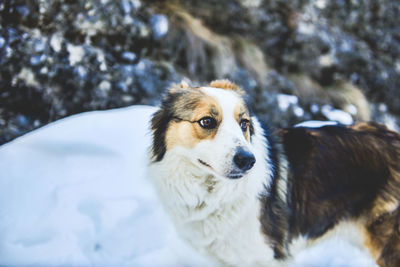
(347, 238)
(219, 151)
(216, 215)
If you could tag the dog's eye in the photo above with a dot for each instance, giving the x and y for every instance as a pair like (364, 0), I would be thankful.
(244, 124)
(208, 123)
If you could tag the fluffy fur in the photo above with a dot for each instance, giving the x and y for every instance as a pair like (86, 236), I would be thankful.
(242, 195)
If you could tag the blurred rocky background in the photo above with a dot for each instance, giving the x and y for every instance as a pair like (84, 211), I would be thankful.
(297, 59)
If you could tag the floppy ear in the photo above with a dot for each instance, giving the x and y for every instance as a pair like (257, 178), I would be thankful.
(227, 85)
(161, 119)
(159, 124)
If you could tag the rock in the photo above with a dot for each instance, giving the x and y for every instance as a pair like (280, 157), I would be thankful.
(2, 42)
(59, 58)
(129, 56)
(159, 25)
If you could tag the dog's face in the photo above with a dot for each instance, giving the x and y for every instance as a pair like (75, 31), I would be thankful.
(210, 126)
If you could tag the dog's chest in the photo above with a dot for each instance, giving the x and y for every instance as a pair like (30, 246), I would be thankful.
(233, 238)
(221, 220)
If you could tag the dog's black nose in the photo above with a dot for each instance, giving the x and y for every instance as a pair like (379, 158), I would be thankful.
(243, 159)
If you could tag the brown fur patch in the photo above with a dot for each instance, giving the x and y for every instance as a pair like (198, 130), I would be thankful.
(185, 131)
(227, 85)
(370, 127)
(383, 237)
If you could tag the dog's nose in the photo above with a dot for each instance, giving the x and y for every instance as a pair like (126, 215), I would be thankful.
(243, 159)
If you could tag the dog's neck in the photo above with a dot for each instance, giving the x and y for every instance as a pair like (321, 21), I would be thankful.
(216, 216)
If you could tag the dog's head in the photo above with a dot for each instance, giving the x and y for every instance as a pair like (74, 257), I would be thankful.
(210, 126)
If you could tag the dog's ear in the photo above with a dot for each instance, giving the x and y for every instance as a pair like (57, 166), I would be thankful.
(227, 85)
(179, 87)
(159, 125)
(184, 84)
(173, 100)
(161, 119)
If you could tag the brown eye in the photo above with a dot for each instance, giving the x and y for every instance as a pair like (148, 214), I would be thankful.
(244, 124)
(207, 123)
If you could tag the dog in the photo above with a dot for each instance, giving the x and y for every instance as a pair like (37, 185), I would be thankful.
(242, 193)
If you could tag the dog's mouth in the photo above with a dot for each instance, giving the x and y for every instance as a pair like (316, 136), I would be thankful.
(232, 175)
(235, 175)
(204, 163)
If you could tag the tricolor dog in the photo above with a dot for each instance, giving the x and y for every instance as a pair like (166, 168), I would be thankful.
(242, 194)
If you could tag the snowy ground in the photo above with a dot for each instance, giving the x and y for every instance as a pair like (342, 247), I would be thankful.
(75, 193)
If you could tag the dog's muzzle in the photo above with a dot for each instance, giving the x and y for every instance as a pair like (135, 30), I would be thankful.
(244, 161)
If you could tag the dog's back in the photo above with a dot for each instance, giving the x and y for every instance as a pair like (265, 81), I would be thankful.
(339, 173)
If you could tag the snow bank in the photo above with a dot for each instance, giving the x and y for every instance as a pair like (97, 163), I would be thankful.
(74, 193)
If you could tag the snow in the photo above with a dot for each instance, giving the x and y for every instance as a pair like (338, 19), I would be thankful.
(105, 86)
(326, 60)
(75, 193)
(129, 56)
(321, 4)
(27, 76)
(160, 25)
(352, 109)
(126, 6)
(306, 28)
(298, 111)
(56, 42)
(284, 101)
(76, 53)
(337, 115)
(315, 124)
(2, 42)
